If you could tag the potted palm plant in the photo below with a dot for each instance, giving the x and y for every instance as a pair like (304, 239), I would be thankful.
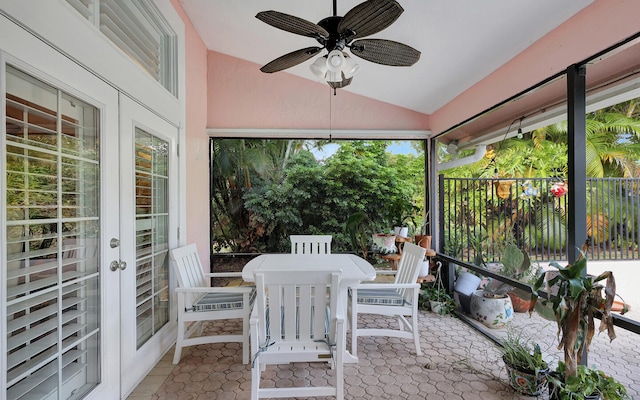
(526, 369)
(578, 299)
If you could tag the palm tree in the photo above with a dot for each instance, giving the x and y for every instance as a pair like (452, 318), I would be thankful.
(611, 141)
(237, 163)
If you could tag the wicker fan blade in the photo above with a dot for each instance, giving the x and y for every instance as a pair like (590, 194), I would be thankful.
(292, 24)
(385, 52)
(290, 60)
(370, 17)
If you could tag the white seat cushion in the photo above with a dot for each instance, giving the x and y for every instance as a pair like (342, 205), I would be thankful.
(221, 301)
(389, 297)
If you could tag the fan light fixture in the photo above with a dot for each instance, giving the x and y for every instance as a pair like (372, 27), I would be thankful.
(335, 67)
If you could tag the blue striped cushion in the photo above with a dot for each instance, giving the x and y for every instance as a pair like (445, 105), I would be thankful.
(388, 297)
(221, 301)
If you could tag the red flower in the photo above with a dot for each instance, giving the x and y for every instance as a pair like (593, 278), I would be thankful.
(558, 189)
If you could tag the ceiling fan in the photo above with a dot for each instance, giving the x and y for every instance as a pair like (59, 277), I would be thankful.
(336, 33)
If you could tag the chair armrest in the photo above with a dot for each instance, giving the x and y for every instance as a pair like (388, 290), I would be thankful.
(214, 289)
(223, 275)
(388, 286)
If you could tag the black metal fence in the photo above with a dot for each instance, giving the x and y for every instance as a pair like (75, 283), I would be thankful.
(481, 215)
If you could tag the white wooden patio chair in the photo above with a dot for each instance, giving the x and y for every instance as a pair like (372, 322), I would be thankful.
(291, 323)
(310, 244)
(198, 303)
(398, 299)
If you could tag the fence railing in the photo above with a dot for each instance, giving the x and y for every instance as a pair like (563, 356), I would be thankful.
(481, 215)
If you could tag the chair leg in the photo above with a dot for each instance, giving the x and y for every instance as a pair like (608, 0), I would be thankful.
(340, 380)
(200, 327)
(255, 380)
(245, 340)
(354, 329)
(416, 332)
(400, 323)
(180, 339)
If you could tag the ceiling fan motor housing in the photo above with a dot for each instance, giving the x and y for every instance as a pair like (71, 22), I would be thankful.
(335, 41)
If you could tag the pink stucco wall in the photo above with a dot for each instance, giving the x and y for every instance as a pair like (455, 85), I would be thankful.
(598, 26)
(197, 154)
(240, 96)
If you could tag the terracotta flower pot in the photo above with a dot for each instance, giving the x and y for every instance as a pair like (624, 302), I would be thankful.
(520, 303)
(423, 241)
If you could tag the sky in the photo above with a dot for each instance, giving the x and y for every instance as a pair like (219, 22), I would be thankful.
(403, 147)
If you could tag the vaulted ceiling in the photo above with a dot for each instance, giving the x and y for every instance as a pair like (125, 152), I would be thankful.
(461, 42)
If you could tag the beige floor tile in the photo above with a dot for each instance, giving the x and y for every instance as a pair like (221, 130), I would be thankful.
(457, 363)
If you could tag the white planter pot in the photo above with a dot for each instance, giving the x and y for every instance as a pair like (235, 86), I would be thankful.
(467, 283)
(424, 269)
(437, 306)
(493, 313)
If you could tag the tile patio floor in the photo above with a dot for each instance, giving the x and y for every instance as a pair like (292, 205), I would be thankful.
(458, 363)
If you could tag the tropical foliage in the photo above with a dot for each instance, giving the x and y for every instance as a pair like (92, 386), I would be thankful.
(536, 214)
(265, 190)
(578, 299)
(613, 149)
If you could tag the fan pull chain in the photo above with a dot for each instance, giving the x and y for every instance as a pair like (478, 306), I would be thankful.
(331, 114)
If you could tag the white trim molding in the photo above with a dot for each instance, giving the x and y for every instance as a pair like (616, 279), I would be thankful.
(320, 134)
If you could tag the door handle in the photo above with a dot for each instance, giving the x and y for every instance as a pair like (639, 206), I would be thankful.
(118, 265)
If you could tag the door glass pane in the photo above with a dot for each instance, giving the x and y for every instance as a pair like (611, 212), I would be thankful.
(52, 227)
(152, 230)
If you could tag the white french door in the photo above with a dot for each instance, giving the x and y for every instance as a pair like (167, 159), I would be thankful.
(87, 198)
(148, 174)
(59, 300)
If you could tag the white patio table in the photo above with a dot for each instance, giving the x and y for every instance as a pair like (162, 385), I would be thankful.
(353, 270)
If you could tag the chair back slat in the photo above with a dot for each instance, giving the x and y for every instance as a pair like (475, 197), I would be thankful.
(305, 296)
(297, 304)
(409, 266)
(188, 270)
(310, 244)
(320, 321)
